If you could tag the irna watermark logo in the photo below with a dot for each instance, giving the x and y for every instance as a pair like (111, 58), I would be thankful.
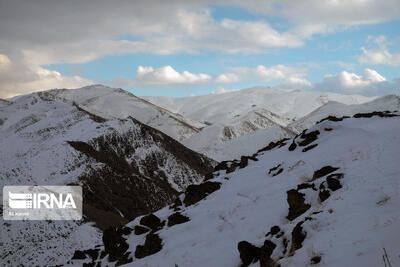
(42, 203)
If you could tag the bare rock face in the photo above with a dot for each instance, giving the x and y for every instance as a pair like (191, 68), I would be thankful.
(248, 253)
(195, 193)
(296, 204)
(177, 218)
(146, 187)
(152, 245)
(152, 222)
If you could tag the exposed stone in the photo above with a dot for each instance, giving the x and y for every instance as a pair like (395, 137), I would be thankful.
(308, 138)
(152, 221)
(298, 236)
(274, 230)
(292, 145)
(114, 244)
(272, 145)
(265, 254)
(296, 204)
(333, 183)
(152, 245)
(139, 230)
(177, 218)
(79, 255)
(315, 260)
(323, 171)
(309, 147)
(305, 186)
(248, 253)
(244, 161)
(195, 193)
(324, 195)
(275, 170)
(333, 118)
(375, 113)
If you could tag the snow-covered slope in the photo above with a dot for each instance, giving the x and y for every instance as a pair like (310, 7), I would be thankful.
(221, 108)
(117, 103)
(329, 197)
(234, 114)
(47, 140)
(386, 103)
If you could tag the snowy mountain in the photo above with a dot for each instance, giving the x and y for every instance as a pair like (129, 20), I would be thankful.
(386, 103)
(125, 168)
(243, 114)
(117, 103)
(328, 197)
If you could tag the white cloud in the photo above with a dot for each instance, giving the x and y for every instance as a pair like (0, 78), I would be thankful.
(21, 79)
(5, 62)
(296, 83)
(227, 78)
(167, 75)
(379, 55)
(345, 81)
(222, 90)
(266, 74)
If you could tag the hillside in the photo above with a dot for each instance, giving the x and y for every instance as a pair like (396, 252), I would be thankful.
(328, 197)
(234, 114)
(126, 169)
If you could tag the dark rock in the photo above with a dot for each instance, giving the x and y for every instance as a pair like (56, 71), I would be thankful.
(323, 171)
(275, 170)
(248, 253)
(92, 253)
(333, 118)
(114, 244)
(309, 137)
(328, 129)
(152, 245)
(129, 189)
(324, 195)
(139, 230)
(274, 230)
(223, 165)
(296, 204)
(292, 145)
(177, 218)
(125, 230)
(177, 204)
(265, 254)
(375, 113)
(151, 221)
(305, 186)
(208, 176)
(298, 236)
(244, 161)
(309, 147)
(272, 145)
(333, 183)
(232, 168)
(315, 259)
(79, 255)
(195, 193)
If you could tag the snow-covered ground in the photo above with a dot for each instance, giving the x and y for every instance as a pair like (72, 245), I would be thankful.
(36, 132)
(350, 226)
(240, 113)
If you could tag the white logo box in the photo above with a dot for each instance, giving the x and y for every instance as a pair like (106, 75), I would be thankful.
(42, 203)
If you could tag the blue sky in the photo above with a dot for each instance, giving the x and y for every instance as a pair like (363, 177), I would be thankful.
(201, 49)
